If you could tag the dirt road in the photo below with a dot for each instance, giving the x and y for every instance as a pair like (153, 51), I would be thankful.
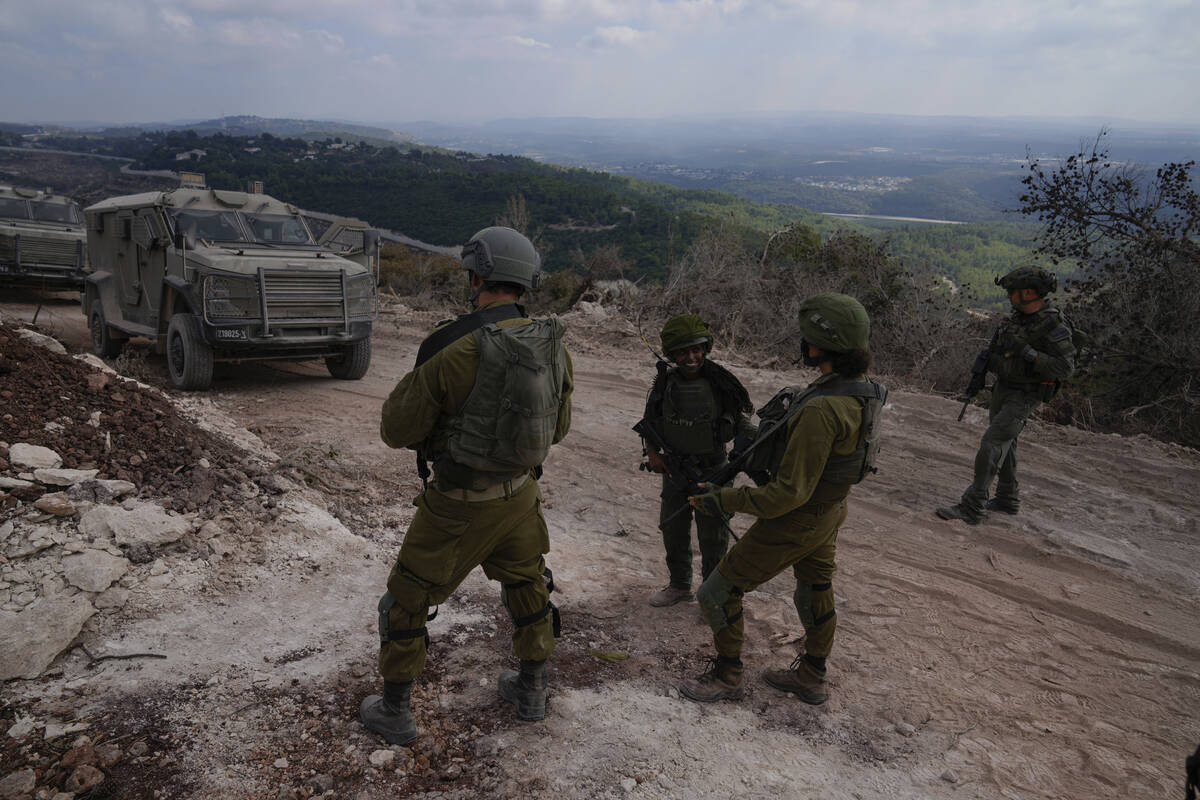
(1053, 654)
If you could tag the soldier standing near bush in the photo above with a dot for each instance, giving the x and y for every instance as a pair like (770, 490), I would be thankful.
(696, 407)
(1032, 354)
(827, 436)
(490, 392)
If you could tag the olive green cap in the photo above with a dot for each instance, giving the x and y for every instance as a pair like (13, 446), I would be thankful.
(835, 322)
(685, 330)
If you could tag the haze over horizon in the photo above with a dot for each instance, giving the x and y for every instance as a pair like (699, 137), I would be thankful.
(130, 61)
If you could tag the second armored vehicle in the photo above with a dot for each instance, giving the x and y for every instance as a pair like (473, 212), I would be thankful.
(42, 243)
(212, 275)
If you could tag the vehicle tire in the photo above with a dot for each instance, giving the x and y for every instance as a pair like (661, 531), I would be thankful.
(103, 342)
(189, 358)
(353, 363)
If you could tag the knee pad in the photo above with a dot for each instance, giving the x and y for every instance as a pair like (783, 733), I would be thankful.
(713, 594)
(389, 632)
(814, 604)
(549, 609)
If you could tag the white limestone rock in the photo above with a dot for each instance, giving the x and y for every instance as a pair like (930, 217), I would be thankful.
(31, 639)
(33, 456)
(42, 340)
(94, 570)
(63, 477)
(14, 483)
(142, 523)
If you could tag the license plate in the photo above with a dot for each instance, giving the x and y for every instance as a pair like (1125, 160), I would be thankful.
(230, 333)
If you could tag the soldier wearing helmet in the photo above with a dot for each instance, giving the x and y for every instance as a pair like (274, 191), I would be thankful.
(1032, 354)
(488, 395)
(822, 439)
(696, 407)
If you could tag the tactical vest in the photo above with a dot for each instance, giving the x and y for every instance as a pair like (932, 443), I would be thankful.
(1038, 329)
(507, 424)
(690, 411)
(841, 471)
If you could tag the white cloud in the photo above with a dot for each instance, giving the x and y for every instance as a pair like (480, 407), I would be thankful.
(329, 42)
(615, 36)
(177, 21)
(525, 41)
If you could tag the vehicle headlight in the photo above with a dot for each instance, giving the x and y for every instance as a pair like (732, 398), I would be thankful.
(230, 297)
(360, 295)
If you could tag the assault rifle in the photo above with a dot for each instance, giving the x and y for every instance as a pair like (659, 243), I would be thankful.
(683, 470)
(978, 374)
(743, 447)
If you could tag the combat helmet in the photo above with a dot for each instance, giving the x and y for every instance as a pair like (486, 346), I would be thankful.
(835, 322)
(685, 330)
(1036, 278)
(502, 255)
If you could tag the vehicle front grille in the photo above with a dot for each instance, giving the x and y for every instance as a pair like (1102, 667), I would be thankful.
(307, 296)
(38, 251)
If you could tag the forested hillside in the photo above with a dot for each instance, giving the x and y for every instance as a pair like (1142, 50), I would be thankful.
(442, 198)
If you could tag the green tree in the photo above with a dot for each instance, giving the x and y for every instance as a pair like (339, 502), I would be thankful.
(1133, 236)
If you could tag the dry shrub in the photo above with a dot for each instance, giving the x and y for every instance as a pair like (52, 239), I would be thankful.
(920, 332)
(426, 281)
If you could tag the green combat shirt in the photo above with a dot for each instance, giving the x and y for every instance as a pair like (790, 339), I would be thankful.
(440, 387)
(826, 425)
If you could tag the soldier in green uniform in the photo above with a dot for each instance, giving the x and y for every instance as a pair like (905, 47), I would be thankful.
(490, 392)
(697, 407)
(826, 440)
(1032, 354)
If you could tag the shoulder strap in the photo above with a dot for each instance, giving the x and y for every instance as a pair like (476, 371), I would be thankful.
(733, 394)
(467, 323)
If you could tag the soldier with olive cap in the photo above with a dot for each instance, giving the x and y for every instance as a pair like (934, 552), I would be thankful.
(489, 394)
(818, 441)
(696, 406)
(1033, 353)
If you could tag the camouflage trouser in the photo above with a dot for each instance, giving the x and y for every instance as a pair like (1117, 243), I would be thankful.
(712, 534)
(805, 540)
(446, 540)
(1010, 407)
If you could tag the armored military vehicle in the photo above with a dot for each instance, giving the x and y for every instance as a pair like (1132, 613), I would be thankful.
(214, 275)
(42, 243)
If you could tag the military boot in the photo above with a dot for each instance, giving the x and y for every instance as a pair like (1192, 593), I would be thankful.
(960, 511)
(526, 689)
(389, 715)
(722, 681)
(801, 679)
(671, 595)
(1004, 506)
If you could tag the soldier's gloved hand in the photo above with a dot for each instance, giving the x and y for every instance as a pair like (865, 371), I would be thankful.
(1012, 343)
(708, 503)
(1028, 353)
(657, 462)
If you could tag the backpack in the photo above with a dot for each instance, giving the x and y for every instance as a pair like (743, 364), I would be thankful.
(507, 424)
(767, 449)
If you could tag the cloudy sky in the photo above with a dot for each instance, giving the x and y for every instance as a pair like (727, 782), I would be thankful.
(472, 60)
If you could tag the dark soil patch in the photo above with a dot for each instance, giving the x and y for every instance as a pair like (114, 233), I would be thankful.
(52, 400)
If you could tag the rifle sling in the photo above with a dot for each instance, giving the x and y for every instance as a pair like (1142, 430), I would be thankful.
(441, 338)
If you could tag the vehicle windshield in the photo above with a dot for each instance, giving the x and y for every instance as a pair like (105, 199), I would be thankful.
(277, 229)
(54, 212)
(209, 226)
(13, 208)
